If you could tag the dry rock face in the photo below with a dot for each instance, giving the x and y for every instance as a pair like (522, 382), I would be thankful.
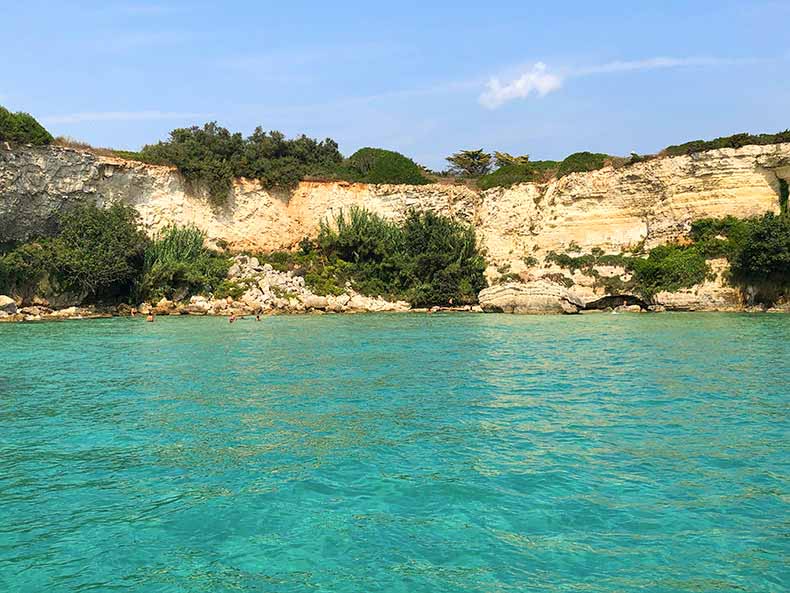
(537, 297)
(654, 201)
(612, 209)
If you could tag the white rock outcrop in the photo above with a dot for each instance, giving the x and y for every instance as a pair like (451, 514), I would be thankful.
(537, 297)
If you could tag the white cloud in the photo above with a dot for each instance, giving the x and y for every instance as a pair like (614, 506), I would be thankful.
(536, 80)
(75, 118)
(539, 81)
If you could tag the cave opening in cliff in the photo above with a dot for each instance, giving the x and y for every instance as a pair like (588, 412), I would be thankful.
(614, 301)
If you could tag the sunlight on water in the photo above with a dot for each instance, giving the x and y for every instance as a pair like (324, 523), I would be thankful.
(401, 453)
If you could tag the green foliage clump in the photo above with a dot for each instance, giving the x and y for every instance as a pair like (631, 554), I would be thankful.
(470, 163)
(734, 141)
(583, 161)
(177, 263)
(99, 250)
(427, 259)
(758, 250)
(376, 165)
(212, 156)
(22, 127)
(668, 267)
(506, 176)
(97, 253)
(23, 267)
(764, 257)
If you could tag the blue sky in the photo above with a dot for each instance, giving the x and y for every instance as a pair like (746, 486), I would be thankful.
(424, 78)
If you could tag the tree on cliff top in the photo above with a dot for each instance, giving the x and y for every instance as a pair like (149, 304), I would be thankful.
(22, 127)
(470, 163)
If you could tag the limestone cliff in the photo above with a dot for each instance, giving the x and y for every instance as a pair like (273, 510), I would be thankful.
(651, 202)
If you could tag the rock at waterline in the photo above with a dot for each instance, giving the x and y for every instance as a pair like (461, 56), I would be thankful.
(7, 304)
(538, 297)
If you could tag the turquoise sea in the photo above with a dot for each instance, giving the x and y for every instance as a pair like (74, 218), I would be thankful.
(398, 453)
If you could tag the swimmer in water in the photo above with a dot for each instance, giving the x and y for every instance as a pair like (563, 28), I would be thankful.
(258, 317)
(150, 318)
(231, 319)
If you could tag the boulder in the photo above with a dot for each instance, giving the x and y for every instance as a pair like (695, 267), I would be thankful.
(537, 297)
(7, 304)
(312, 301)
(164, 307)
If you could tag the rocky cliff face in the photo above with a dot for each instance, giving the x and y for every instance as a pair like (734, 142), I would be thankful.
(613, 209)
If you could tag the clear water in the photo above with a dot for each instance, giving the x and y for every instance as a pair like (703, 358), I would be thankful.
(396, 453)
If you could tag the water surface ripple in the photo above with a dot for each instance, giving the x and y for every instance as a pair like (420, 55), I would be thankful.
(398, 453)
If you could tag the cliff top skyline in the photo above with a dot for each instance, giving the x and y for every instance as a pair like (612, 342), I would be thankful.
(425, 80)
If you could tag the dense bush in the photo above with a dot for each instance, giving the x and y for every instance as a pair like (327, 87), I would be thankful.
(22, 127)
(213, 156)
(668, 267)
(734, 141)
(177, 263)
(103, 256)
(506, 176)
(427, 259)
(375, 165)
(22, 268)
(511, 174)
(582, 161)
(764, 257)
(99, 251)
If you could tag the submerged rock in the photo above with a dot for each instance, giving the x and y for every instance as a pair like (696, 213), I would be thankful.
(538, 297)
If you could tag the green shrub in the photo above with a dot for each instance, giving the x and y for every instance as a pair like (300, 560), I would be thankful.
(668, 267)
(99, 251)
(212, 156)
(376, 165)
(506, 176)
(582, 161)
(177, 263)
(22, 127)
(427, 259)
(764, 257)
(22, 268)
(734, 141)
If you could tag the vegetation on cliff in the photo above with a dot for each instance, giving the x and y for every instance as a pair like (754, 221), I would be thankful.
(97, 253)
(758, 250)
(734, 141)
(177, 263)
(102, 255)
(376, 165)
(23, 128)
(212, 156)
(426, 259)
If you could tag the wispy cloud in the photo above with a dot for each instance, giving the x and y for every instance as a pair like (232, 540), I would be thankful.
(657, 63)
(94, 116)
(538, 80)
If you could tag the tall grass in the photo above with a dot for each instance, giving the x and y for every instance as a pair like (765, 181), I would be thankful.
(178, 262)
